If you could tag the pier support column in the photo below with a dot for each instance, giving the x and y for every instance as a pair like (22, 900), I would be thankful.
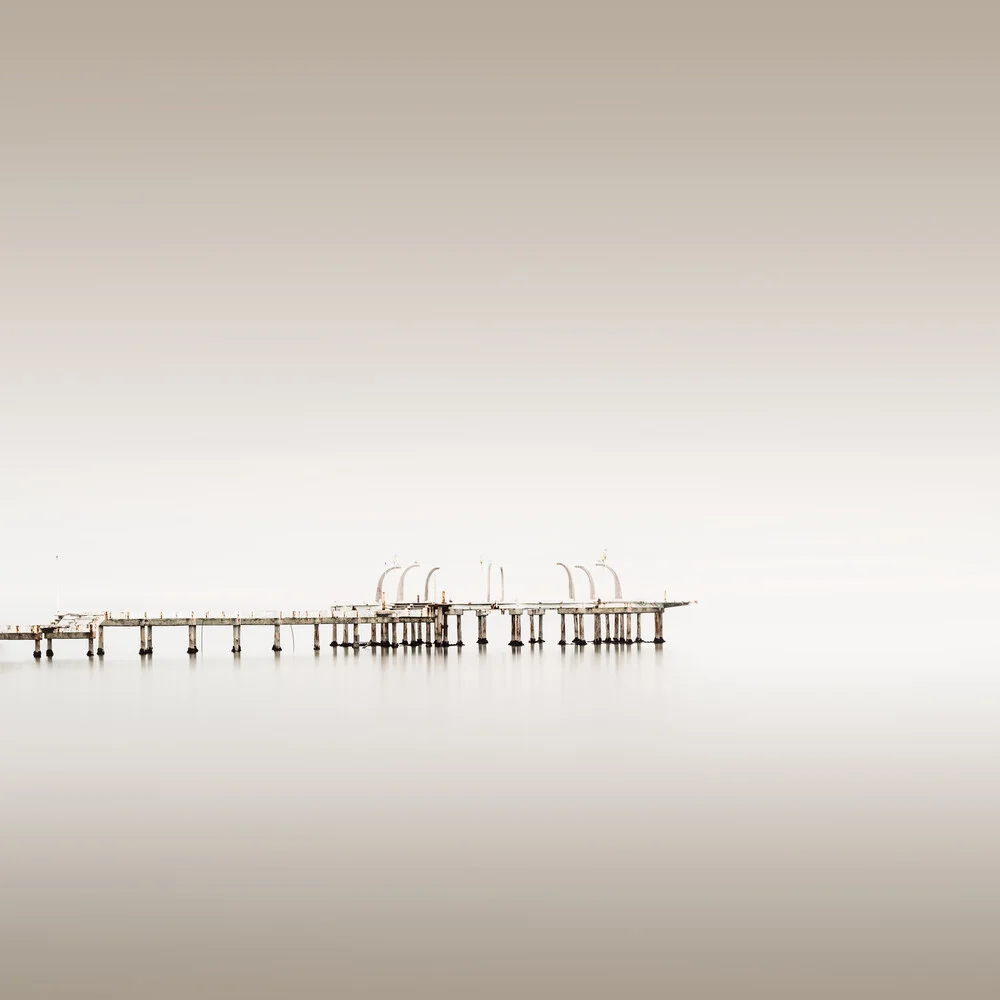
(481, 624)
(444, 632)
(237, 646)
(658, 624)
(513, 630)
(276, 645)
(638, 627)
(541, 624)
(458, 631)
(316, 637)
(90, 644)
(48, 647)
(562, 630)
(100, 640)
(142, 639)
(38, 648)
(607, 629)
(356, 641)
(597, 630)
(628, 629)
(395, 635)
(531, 628)
(192, 638)
(149, 639)
(346, 641)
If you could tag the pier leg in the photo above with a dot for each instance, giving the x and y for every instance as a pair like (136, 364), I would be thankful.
(658, 625)
(638, 627)
(276, 645)
(395, 635)
(513, 631)
(237, 647)
(607, 629)
(458, 631)
(149, 639)
(444, 631)
(142, 639)
(48, 647)
(628, 630)
(562, 630)
(519, 620)
(531, 628)
(100, 640)
(90, 645)
(316, 637)
(346, 642)
(597, 630)
(481, 624)
(356, 642)
(541, 623)
(192, 638)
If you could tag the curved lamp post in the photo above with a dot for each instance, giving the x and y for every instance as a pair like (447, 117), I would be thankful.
(402, 580)
(427, 584)
(569, 580)
(590, 580)
(618, 583)
(381, 579)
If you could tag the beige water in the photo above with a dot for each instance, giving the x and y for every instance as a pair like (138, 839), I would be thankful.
(748, 807)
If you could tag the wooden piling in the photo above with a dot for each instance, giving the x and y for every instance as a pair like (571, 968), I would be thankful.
(276, 645)
(237, 646)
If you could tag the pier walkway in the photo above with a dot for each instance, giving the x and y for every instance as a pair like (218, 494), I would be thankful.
(422, 623)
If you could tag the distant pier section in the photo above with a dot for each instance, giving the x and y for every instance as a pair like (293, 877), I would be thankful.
(382, 624)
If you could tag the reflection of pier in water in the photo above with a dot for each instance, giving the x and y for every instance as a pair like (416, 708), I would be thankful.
(427, 623)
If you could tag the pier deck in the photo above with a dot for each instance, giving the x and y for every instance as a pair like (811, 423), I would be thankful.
(388, 626)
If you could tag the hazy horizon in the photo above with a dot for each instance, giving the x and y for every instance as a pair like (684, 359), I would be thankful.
(292, 290)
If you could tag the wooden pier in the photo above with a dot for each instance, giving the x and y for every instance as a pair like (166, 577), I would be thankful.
(435, 624)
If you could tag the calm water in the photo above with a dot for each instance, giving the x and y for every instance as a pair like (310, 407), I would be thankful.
(785, 804)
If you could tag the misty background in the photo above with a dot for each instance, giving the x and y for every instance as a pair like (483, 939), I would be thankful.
(287, 291)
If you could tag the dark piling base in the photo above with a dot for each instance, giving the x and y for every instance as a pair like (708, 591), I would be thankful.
(482, 642)
(100, 651)
(658, 642)
(49, 654)
(90, 654)
(192, 650)
(37, 654)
